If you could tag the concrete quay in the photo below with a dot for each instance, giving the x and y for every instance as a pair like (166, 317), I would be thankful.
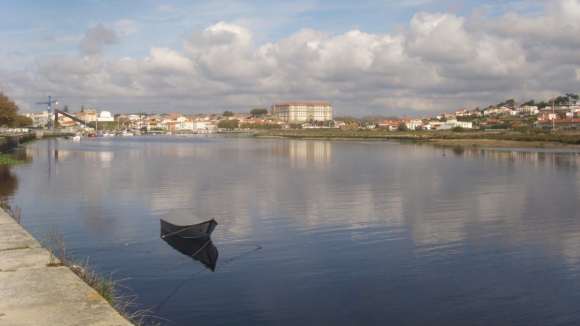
(33, 294)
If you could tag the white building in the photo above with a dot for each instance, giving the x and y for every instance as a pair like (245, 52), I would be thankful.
(300, 112)
(105, 116)
(199, 126)
(527, 109)
(39, 119)
(414, 124)
(450, 124)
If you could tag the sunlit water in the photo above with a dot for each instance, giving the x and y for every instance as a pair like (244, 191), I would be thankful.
(317, 232)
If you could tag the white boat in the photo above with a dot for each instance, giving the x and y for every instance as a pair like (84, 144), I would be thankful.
(183, 223)
(76, 138)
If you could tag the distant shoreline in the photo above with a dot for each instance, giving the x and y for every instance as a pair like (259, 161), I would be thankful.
(484, 139)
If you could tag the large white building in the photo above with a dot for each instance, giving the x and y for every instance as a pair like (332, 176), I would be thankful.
(299, 112)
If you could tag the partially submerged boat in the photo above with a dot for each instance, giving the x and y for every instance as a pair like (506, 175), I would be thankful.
(185, 224)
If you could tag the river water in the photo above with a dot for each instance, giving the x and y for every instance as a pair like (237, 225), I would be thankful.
(317, 232)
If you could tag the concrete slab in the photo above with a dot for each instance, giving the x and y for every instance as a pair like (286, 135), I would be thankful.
(11, 260)
(52, 296)
(13, 236)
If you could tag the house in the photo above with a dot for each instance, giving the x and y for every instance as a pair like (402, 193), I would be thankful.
(86, 115)
(491, 111)
(414, 124)
(570, 123)
(506, 110)
(547, 114)
(475, 113)
(450, 124)
(39, 119)
(527, 110)
(389, 125)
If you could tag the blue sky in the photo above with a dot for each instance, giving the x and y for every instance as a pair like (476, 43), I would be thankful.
(410, 58)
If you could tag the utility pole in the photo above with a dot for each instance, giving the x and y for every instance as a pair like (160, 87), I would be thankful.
(49, 111)
(553, 115)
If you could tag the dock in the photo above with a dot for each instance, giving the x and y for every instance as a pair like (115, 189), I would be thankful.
(33, 294)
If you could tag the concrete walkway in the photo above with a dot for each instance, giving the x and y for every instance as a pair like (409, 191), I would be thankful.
(33, 294)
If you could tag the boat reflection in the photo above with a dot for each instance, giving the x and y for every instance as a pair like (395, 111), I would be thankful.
(202, 250)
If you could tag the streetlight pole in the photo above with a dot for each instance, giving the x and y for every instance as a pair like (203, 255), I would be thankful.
(49, 112)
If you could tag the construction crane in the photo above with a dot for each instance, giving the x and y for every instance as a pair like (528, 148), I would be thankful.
(49, 103)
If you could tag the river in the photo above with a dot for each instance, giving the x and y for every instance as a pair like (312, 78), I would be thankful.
(316, 232)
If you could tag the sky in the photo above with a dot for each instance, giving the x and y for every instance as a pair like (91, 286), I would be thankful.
(410, 58)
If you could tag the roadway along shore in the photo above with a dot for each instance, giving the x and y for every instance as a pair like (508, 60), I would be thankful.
(33, 294)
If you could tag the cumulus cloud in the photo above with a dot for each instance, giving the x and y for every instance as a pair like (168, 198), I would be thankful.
(436, 62)
(94, 39)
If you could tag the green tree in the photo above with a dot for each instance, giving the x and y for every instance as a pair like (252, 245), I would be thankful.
(22, 121)
(228, 114)
(561, 100)
(402, 126)
(572, 98)
(65, 109)
(228, 124)
(8, 111)
(530, 103)
(258, 112)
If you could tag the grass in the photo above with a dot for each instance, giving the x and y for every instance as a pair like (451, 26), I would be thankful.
(8, 159)
(55, 243)
(105, 287)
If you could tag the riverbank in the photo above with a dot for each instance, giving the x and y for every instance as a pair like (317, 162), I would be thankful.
(12, 141)
(33, 294)
(490, 139)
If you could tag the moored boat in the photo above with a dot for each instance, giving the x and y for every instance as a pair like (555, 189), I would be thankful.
(185, 224)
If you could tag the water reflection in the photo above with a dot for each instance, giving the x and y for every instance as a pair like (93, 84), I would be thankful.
(202, 250)
(9, 180)
(8, 183)
(310, 154)
(406, 218)
(555, 158)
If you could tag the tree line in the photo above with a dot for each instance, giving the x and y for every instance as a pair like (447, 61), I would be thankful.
(568, 99)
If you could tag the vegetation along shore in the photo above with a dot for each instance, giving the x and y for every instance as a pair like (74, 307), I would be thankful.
(463, 138)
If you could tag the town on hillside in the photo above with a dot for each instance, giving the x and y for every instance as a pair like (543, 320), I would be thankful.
(560, 113)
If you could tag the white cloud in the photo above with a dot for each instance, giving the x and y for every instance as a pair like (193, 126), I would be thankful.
(437, 62)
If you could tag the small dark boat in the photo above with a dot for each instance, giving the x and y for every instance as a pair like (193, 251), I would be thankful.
(184, 224)
(202, 250)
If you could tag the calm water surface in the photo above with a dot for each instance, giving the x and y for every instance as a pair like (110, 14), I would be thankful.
(317, 232)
